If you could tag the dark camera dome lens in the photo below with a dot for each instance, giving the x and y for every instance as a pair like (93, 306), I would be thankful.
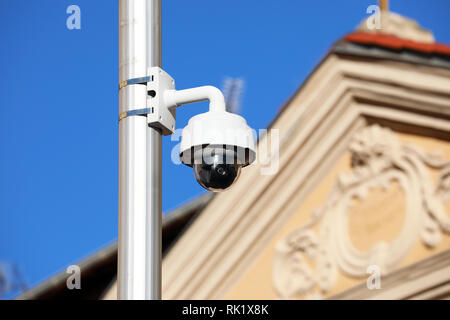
(216, 177)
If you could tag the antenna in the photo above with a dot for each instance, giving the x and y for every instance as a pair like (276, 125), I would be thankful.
(233, 90)
(11, 280)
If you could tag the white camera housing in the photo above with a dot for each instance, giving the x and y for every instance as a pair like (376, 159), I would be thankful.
(218, 128)
(217, 144)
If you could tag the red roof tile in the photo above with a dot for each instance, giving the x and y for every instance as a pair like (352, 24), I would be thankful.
(396, 43)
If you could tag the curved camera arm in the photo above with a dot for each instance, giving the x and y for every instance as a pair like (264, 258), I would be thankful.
(176, 98)
(162, 98)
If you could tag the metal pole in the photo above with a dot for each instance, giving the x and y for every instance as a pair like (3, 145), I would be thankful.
(139, 257)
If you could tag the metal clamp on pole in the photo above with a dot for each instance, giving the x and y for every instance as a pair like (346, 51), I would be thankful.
(142, 80)
(137, 112)
(160, 114)
(133, 111)
(133, 101)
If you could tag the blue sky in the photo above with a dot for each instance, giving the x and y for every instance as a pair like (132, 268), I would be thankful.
(59, 103)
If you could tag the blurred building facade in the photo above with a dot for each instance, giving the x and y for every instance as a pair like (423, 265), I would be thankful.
(359, 207)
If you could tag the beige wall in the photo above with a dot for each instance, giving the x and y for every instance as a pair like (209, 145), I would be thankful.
(379, 217)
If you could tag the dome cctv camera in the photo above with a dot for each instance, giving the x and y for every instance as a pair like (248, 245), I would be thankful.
(216, 144)
(215, 174)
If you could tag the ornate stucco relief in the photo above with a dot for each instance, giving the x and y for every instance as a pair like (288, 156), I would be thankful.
(306, 260)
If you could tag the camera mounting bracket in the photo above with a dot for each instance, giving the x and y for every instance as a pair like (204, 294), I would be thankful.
(157, 99)
(163, 99)
(163, 115)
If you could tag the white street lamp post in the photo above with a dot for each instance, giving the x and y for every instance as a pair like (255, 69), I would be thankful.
(139, 262)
